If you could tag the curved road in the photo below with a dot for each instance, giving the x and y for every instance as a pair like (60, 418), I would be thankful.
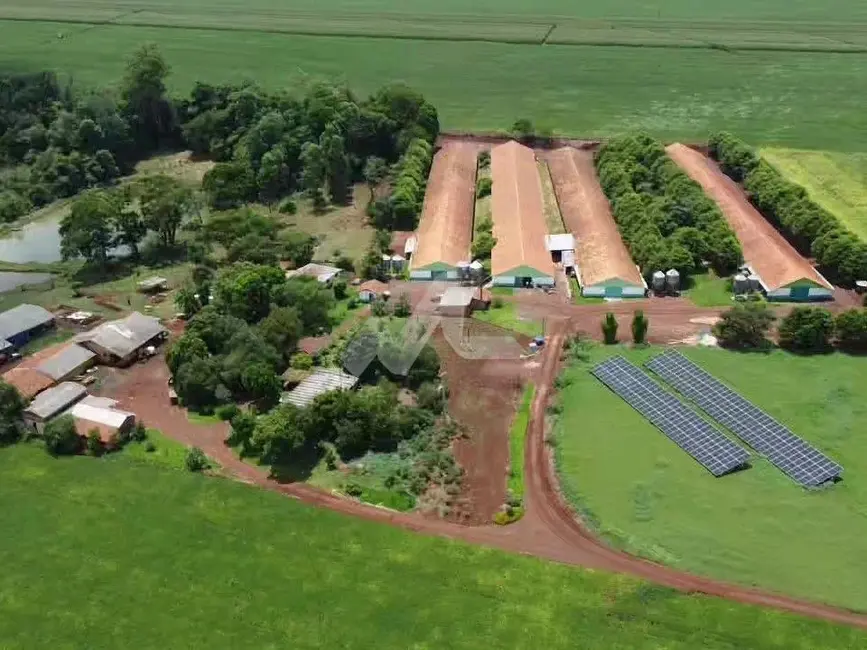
(549, 528)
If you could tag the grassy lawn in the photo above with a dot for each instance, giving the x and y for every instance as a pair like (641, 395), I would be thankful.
(553, 220)
(182, 560)
(837, 182)
(167, 452)
(709, 290)
(51, 338)
(753, 527)
(517, 438)
(578, 298)
(575, 89)
(507, 316)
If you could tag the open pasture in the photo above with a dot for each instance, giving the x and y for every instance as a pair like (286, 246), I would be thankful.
(792, 99)
(755, 527)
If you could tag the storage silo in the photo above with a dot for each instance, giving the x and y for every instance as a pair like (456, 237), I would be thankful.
(657, 281)
(672, 280)
(740, 284)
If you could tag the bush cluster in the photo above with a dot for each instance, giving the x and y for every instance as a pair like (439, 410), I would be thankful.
(401, 209)
(665, 218)
(812, 229)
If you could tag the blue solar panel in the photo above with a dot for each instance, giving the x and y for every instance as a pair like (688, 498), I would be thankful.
(699, 439)
(798, 459)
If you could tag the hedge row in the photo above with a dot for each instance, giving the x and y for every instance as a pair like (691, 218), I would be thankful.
(412, 170)
(665, 218)
(812, 229)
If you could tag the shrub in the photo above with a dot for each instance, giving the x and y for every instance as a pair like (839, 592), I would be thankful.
(227, 412)
(287, 206)
(640, 325)
(807, 329)
(60, 436)
(484, 159)
(139, 432)
(497, 302)
(403, 308)
(431, 396)
(379, 308)
(339, 289)
(94, 443)
(508, 515)
(196, 461)
(330, 455)
(609, 329)
(301, 361)
(745, 326)
(483, 187)
(851, 330)
(150, 447)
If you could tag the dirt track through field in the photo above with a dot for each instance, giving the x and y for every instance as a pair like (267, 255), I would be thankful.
(548, 530)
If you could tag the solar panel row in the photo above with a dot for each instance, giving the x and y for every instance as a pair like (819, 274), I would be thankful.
(696, 437)
(797, 458)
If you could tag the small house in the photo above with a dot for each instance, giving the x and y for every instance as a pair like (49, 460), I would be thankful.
(23, 323)
(51, 403)
(100, 415)
(322, 273)
(462, 301)
(121, 342)
(371, 290)
(153, 285)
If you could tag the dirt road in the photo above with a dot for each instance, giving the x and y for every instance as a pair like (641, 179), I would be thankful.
(548, 530)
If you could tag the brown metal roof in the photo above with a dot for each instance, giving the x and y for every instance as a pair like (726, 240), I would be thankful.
(519, 222)
(29, 382)
(374, 286)
(446, 226)
(768, 253)
(600, 252)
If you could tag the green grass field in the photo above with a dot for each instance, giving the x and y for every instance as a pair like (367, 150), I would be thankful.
(507, 315)
(753, 527)
(709, 290)
(477, 86)
(517, 442)
(108, 554)
(837, 182)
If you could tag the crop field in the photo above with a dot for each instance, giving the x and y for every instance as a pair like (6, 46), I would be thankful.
(837, 182)
(755, 527)
(172, 559)
(783, 98)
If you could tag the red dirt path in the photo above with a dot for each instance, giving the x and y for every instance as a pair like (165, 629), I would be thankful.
(549, 528)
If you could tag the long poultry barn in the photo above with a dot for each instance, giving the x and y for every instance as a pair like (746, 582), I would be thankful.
(520, 257)
(602, 264)
(783, 273)
(445, 230)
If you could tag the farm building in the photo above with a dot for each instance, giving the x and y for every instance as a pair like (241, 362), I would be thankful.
(68, 362)
(520, 257)
(100, 415)
(320, 272)
(402, 243)
(27, 381)
(322, 381)
(6, 349)
(51, 403)
(782, 273)
(602, 264)
(371, 290)
(24, 322)
(445, 230)
(121, 342)
(462, 301)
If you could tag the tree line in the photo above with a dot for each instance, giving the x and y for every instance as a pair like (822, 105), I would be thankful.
(665, 218)
(812, 230)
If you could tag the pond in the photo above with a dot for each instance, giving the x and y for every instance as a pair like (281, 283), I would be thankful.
(37, 241)
(10, 281)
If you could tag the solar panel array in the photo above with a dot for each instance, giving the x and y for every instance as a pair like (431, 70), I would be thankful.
(696, 437)
(798, 459)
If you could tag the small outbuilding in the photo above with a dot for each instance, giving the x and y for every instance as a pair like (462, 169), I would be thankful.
(51, 403)
(371, 290)
(153, 285)
(23, 323)
(106, 420)
(320, 272)
(560, 244)
(121, 342)
(323, 380)
(67, 363)
(462, 301)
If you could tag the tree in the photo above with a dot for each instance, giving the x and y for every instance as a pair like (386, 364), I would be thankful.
(185, 349)
(280, 432)
(143, 97)
(197, 383)
(282, 328)
(807, 329)
(11, 410)
(375, 171)
(187, 301)
(640, 325)
(310, 299)
(851, 330)
(403, 308)
(195, 460)
(297, 247)
(129, 228)
(339, 288)
(337, 173)
(425, 368)
(87, 230)
(262, 384)
(61, 437)
(214, 328)
(609, 329)
(244, 290)
(241, 433)
(164, 203)
(745, 326)
(523, 131)
(229, 185)
(314, 168)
